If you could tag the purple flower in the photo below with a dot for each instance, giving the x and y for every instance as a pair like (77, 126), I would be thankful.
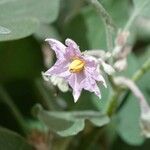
(79, 70)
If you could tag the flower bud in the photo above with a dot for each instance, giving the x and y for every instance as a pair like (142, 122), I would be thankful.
(120, 65)
(108, 68)
(122, 38)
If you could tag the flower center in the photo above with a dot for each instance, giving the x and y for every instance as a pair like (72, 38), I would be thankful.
(76, 65)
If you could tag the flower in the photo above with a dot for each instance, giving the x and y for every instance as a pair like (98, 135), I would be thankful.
(78, 69)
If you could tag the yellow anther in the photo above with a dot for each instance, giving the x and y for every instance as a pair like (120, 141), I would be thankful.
(76, 65)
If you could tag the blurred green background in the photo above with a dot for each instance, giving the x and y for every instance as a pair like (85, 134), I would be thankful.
(24, 25)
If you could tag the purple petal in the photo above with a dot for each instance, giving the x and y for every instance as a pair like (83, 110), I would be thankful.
(60, 69)
(58, 47)
(90, 84)
(72, 49)
(75, 82)
(92, 70)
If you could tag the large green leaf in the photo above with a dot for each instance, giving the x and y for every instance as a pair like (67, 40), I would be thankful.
(142, 7)
(19, 28)
(128, 126)
(70, 123)
(4, 30)
(23, 17)
(10, 140)
(45, 31)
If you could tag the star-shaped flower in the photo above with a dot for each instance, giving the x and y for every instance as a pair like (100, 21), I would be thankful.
(78, 69)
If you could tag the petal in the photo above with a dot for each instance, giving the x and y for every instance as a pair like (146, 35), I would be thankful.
(90, 84)
(75, 82)
(58, 47)
(92, 69)
(72, 49)
(60, 69)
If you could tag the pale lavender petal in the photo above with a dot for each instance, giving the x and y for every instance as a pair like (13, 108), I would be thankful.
(90, 84)
(75, 82)
(58, 47)
(72, 49)
(92, 70)
(96, 76)
(60, 69)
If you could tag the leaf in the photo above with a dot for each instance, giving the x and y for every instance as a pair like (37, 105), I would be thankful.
(69, 123)
(45, 31)
(10, 140)
(23, 17)
(142, 7)
(128, 126)
(4, 30)
(19, 28)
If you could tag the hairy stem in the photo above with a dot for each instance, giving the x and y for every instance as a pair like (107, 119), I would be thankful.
(107, 20)
(139, 73)
(112, 103)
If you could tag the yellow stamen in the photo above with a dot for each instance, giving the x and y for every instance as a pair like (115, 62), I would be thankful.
(76, 65)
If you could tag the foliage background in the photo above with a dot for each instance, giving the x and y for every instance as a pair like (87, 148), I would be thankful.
(24, 25)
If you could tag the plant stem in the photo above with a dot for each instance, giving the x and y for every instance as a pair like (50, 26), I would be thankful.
(107, 20)
(130, 21)
(102, 13)
(45, 96)
(112, 103)
(109, 38)
(139, 73)
(13, 108)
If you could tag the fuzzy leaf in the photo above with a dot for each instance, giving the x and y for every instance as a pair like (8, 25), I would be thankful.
(23, 17)
(69, 123)
(142, 7)
(4, 30)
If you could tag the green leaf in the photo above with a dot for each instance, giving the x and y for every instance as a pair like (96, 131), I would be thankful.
(142, 7)
(69, 123)
(10, 140)
(4, 30)
(23, 17)
(128, 126)
(45, 31)
(95, 29)
(19, 28)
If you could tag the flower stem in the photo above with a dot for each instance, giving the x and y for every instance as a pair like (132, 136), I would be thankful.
(139, 73)
(107, 20)
(46, 99)
(13, 108)
(112, 103)
(130, 21)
